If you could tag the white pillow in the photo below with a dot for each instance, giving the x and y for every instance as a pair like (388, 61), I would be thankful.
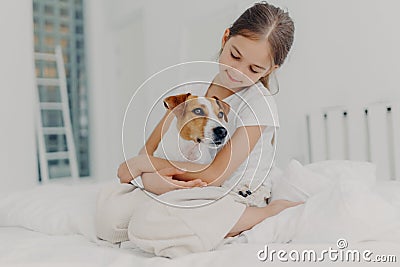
(348, 169)
(390, 191)
(350, 210)
(52, 209)
(297, 183)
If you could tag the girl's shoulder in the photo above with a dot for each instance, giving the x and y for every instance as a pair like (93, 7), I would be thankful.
(257, 94)
(258, 106)
(257, 90)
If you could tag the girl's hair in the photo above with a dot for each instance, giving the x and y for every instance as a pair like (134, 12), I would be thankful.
(265, 21)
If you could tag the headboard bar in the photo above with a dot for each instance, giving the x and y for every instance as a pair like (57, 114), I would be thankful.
(370, 133)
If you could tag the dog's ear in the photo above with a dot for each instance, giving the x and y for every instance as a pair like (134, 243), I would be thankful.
(224, 106)
(174, 101)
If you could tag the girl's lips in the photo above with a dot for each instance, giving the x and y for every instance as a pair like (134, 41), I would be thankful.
(230, 77)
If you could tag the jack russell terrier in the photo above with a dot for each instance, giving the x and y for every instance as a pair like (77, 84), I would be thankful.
(197, 129)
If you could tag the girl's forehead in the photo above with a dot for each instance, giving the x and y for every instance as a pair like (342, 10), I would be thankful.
(257, 52)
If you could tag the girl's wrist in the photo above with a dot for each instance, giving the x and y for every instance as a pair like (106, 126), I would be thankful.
(134, 166)
(143, 163)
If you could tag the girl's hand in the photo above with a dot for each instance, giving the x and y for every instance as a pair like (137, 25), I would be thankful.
(128, 170)
(279, 205)
(162, 181)
(168, 174)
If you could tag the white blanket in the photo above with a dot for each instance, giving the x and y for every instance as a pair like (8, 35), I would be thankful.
(21, 247)
(350, 205)
(341, 202)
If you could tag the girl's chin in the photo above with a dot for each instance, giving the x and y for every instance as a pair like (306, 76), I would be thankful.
(235, 86)
(224, 80)
(231, 84)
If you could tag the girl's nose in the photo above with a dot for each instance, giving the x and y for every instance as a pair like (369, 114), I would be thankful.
(239, 73)
(235, 70)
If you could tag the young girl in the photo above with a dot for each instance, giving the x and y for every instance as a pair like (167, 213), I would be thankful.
(252, 48)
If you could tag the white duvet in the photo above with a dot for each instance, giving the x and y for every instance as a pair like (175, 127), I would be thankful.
(343, 200)
(53, 209)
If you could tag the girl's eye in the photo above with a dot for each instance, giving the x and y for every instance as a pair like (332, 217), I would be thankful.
(234, 56)
(253, 71)
(198, 111)
(220, 114)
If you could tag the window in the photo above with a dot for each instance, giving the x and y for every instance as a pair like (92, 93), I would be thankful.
(60, 22)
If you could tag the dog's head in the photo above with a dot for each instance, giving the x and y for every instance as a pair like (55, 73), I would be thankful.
(200, 119)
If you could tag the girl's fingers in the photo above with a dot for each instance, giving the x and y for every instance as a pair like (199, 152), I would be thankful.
(188, 184)
(181, 183)
(194, 183)
(169, 172)
(200, 182)
(293, 204)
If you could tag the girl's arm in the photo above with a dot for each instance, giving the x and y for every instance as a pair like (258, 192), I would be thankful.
(155, 137)
(229, 158)
(127, 174)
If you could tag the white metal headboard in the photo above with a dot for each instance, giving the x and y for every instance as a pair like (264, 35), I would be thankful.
(365, 133)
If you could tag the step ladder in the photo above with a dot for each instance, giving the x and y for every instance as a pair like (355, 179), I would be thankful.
(65, 130)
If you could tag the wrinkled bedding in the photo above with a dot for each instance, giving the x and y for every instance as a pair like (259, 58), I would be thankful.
(53, 225)
(344, 203)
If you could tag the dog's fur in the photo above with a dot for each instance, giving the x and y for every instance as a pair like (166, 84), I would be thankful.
(197, 129)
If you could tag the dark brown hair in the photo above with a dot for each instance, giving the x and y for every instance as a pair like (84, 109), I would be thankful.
(265, 21)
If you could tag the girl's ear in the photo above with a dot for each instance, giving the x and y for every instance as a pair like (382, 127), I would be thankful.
(272, 69)
(225, 36)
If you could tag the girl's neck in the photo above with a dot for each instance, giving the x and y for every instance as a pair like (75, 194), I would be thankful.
(218, 91)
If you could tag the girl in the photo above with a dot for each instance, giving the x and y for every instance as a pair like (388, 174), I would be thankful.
(252, 48)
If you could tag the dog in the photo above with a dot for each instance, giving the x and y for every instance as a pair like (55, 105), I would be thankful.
(197, 130)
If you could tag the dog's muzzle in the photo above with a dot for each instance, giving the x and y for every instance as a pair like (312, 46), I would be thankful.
(219, 134)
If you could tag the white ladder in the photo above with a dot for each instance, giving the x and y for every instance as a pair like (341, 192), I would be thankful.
(65, 129)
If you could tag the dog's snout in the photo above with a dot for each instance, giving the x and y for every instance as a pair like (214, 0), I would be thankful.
(220, 132)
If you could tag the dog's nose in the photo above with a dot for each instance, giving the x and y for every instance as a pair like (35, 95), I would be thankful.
(220, 132)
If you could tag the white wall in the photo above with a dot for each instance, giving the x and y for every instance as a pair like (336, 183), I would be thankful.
(115, 71)
(345, 52)
(102, 98)
(18, 152)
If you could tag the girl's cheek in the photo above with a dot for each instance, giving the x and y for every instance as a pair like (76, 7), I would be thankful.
(251, 78)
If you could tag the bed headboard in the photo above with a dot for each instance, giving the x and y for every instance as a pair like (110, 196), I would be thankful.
(366, 133)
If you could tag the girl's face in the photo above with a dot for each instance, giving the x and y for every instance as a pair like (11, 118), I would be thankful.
(243, 57)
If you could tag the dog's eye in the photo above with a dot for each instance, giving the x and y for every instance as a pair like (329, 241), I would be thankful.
(220, 114)
(198, 111)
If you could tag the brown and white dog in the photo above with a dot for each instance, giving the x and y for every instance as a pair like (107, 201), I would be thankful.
(197, 129)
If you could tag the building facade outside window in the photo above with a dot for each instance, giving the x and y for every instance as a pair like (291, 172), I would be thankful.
(61, 22)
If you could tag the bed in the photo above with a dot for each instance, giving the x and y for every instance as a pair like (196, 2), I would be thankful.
(53, 224)
(22, 247)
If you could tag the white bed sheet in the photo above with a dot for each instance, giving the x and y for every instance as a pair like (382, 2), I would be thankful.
(53, 225)
(22, 247)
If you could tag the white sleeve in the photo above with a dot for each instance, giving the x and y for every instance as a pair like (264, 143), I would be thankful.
(258, 110)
